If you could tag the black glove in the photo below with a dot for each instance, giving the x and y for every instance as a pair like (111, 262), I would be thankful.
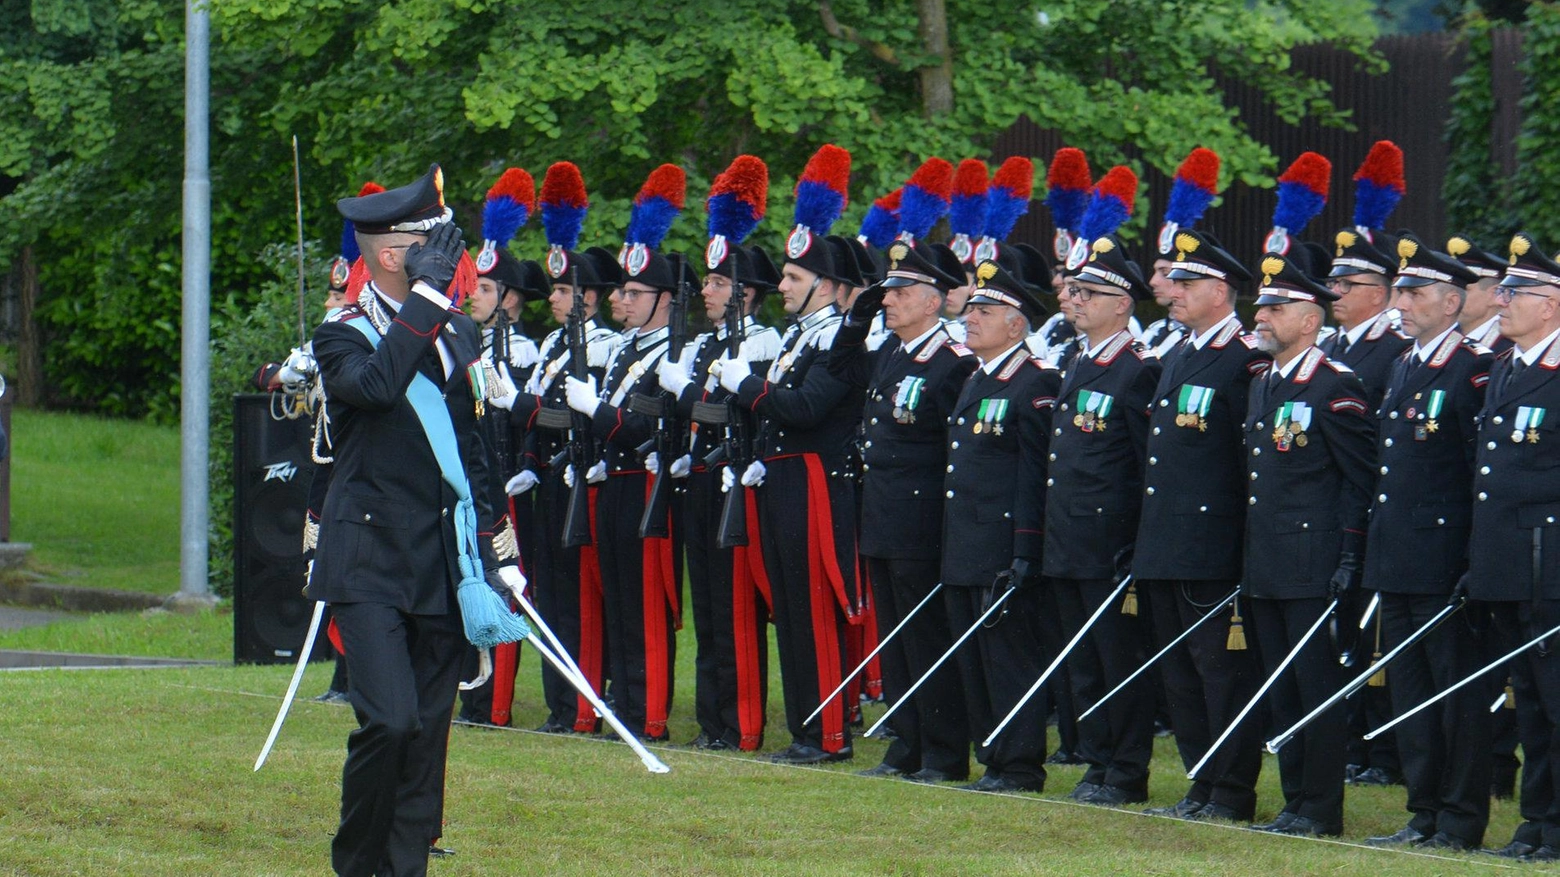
(434, 262)
(1124, 562)
(498, 586)
(867, 304)
(1459, 591)
(1347, 576)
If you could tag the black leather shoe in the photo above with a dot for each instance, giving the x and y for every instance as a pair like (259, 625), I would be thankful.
(803, 754)
(931, 775)
(331, 695)
(717, 745)
(1375, 776)
(1305, 826)
(786, 753)
(989, 783)
(1279, 822)
(1063, 757)
(1179, 810)
(1545, 853)
(440, 852)
(552, 727)
(1224, 812)
(1405, 836)
(700, 742)
(882, 770)
(1514, 850)
(1443, 841)
(1083, 790)
(1114, 796)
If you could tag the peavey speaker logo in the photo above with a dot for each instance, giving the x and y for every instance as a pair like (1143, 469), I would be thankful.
(283, 471)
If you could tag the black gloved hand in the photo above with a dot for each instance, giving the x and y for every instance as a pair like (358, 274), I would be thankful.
(495, 582)
(1347, 576)
(1459, 591)
(434, 262)
(1124, 561)
(867, 304)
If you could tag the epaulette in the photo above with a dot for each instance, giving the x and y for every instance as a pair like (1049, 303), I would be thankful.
(960, 349)
(1011, 369)
(1250, 340)
(1341, 368)
(1230, 330)
(1258, 367)
(823, 337)
(1123, 341)
(599, 349)
(345, 312)
(1551, 359)
(1382, 325)
(1480, 380)
(1443, 352)
(1308, 365)
(1476, 346)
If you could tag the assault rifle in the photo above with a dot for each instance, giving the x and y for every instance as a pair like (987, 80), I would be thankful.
(736, 446)
(669, 441)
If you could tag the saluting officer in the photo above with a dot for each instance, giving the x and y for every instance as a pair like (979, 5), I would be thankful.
(1188, 550)
(911, 383)
(1514, 553)
(1098, 453)
(1419, 525)
(999, 433)
(1309, 454)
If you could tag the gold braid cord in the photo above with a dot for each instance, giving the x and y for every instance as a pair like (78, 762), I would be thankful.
(505, 544)
(311, 534)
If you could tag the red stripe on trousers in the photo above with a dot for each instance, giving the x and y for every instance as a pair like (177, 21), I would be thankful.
(749, 581)
(659, 597)
(592, 633)
(824, 577)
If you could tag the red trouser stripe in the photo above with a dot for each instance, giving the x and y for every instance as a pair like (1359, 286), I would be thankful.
(591, 631)
(824, 577)
(749, 581)
(660, 598)
(506, 661)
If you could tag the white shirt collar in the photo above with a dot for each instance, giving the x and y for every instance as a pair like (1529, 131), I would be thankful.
(1290, 366)
(1424, 353)
(1534, 353)
(1201, 341)
(912, 345)
(990, 367)
(1091, 352)
(1354, 335)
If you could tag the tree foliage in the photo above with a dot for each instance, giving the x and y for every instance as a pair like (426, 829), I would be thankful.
(1535, 189)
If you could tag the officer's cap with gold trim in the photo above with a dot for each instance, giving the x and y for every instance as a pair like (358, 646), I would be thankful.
(994, 285)
(1527, 264)
(1284, 281)
(1418, 265)
(1363, 252)
(1479, 260)
(1108, 264)
(911, 264)
(1199, 255)
(415, 208)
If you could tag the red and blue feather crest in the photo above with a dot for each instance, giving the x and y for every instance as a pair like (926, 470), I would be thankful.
(928, 195)
(1378, 185)
(1008, 198)
(821, 192)
(564, 205)
(1109, 206)
(881, 224)
(657, 206)
(1196, 185)
(736, 206)
(1302, 193)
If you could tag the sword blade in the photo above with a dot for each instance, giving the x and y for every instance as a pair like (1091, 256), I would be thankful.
(1162, 652)
(651, 763)
(874, 653)
(995, 605)
(292, 687)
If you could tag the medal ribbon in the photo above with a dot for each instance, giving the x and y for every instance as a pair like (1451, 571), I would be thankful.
(1437, 399)
(909, 394)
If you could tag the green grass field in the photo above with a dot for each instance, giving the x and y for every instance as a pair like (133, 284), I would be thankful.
(148, 772)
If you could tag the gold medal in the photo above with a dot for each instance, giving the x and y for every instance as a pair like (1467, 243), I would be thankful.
(1532, 436)
(1432, 426)
(1301, 440)
(1078, 420)
(979, 427)
(1183, 419)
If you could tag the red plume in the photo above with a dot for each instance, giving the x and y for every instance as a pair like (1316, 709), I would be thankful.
(1383, 165)
(518, 185)
(830, 165)
(971, 178)
(667, 181)
(370, 188)
(1201, 169)
(1017, 175)
(1120, 182)
(1312, 171)
(1069, 170)
(934, 176)
(564, 185)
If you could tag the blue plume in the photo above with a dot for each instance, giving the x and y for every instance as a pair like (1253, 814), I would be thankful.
(1067, 206)
(817, 206)
(1188, 203)
(730, 217)
(502, 218)
(349, 244)
(1373, 203)
(879, 226)
(562, 223)
(651, 219)
(1298, 204)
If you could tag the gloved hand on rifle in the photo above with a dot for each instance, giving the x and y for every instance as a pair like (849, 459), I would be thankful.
(504, 393)
(733, 372)
(597, 473)
(524, 480)
(653, 463)
(582, 395)
(682, 466)
(672, 376)
(867, 305)
(754, 476)
(434, 262)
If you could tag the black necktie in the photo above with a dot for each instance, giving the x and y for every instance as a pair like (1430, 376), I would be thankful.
(1340, 344)
(1517, 366)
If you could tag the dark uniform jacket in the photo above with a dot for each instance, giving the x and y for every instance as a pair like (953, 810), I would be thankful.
(760, 345)
(1517, 483)
(1194, 493)
(1097, 462)
(388, 533)
(802, 408)
(905, 438)
(1309, 452)
(545, 388)
(1422, 509)
(1372, 356)
(995, 486)
(631, 370)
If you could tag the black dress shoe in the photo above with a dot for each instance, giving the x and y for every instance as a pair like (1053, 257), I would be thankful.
(331, 695)
(1063, 757)
(803, 754)
(989, 783)
(932, 775)
(1443, 841)
(1083, 790)
(1405, 836)
(1514, 850)
(552, 727)
(1179, 810)
(1279, 822)
(1545, 853)
(1305, 826)
(883, 769)
(439, 852)
(717, 745)
(786, 753)
(1375, 776)
(1215, 810)
(700, 742)
(1114, 796)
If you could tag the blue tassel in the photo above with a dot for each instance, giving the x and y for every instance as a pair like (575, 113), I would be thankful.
(488, 621)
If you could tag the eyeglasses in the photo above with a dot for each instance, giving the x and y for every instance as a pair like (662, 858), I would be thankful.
(1083, 293)
(1345, 286)
(631, 294)
(1504, 294)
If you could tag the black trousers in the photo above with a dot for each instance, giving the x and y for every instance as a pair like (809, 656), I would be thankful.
(1118, 740)
(640, 619)
(1444, 750)
(405, 670)
(1535, 677)
(731, 629)
(932, 729)
(810, 625)
(1310, 766)
(1372, 706)
(1205, 686)
(568, 606)
(995, 667)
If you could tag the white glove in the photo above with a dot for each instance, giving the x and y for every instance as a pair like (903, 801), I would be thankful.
(673, 376)
(568, 476)
(682, 466)
(525, 480)
(754, 476)
(653, 463)
(597, 473)
(582, 395)
(513, 579)
(727, 480)
(732, 373)
(504, 394)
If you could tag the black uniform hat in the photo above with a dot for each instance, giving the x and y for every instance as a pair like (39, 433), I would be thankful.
(869, 259)
(414, 208)
(1283, 281)
(765, 276)
(563, 266)
(659, 271)
(1313, 259)
(1108, 264)
(1480, 261)
(952, 265)
(502, 267)
(1199, 255)
(909, 265)
(843, 258)
(534, 284)
(995, 285)
(1418, 265)
(1528, 266)
(1359, 252)
(1034, 268)
(606, 270)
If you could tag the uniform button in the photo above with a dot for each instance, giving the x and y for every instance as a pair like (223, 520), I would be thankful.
(949, 494)
(1007, 514)
(1050, 482)
(1153, 461)
(368, 517)
(1383, 470)
(1256, 452)
(866, 466)
(1059, 432)
(868, 444)
(1499, 420)
(1260, 425)
(1490, 446)
(1156, 430)
(1150, 491)
(954, 445)
(961, 421)
(780, 433)
(1387, 442)
(1202, 508)
(1064, 406)
(1393, 415)
(1440, 522)
(1251, 501)
(1381, 497)
(1053, 458)
(1483, 496)
(950, 467)
(1163, 402)
(444, 512)
(1484, 470)
(874, 421)
(1306, 525)
(1253, 476)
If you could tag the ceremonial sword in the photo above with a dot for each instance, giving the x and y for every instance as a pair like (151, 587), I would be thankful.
(1162, 652)
(868, 659)
(292, 687)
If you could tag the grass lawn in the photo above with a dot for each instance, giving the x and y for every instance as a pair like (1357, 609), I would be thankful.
(98, 499)
(131, 772)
